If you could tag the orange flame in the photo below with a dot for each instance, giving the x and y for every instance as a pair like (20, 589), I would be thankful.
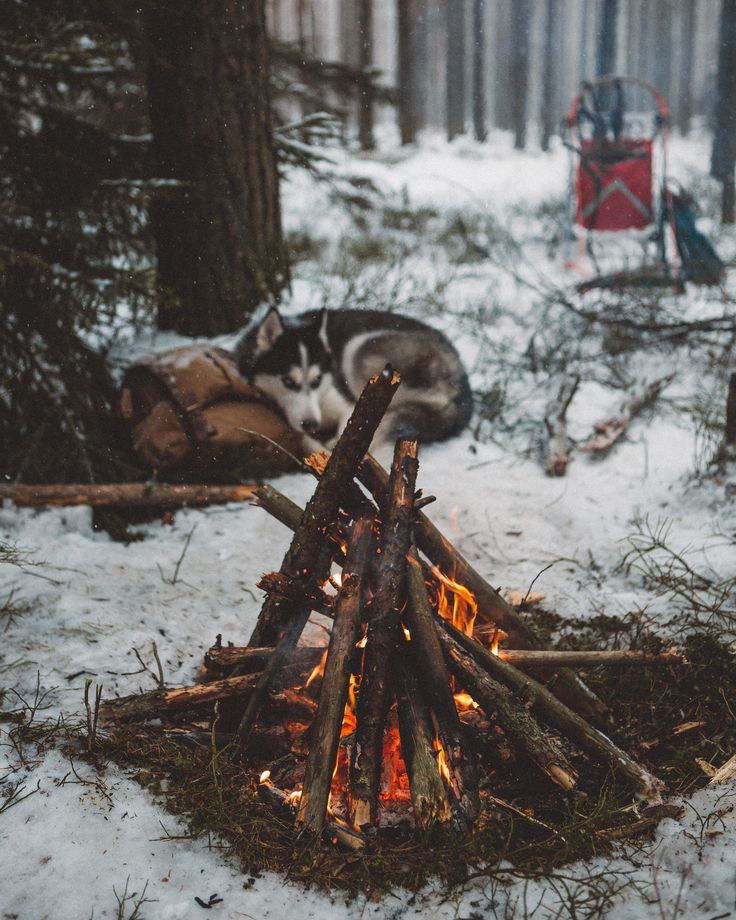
(461, 608)
(465, 701)
(442, 761)
(295, 797)
(265, 776)
(318, 670)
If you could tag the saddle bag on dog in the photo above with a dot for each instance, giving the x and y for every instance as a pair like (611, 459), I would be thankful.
(192, 413)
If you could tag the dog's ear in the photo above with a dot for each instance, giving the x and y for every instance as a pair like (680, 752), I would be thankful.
(271, 329)
(322, 328)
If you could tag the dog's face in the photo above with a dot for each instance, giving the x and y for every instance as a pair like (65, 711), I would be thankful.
(292, 365)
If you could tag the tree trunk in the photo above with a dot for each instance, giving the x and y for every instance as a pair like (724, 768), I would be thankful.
(411, 68)
(606, 52)
(552, 50)
(455, 107)
(723, 156)
(521, 25)
(479, 70)
(365, 61)
(687, 44)
(218, 235)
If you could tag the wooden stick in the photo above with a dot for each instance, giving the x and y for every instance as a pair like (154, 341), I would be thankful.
(334, 830)
(522, 658)
(428, 794)
(126, 494)
(221, 659)
(727, 448)
(384, 636)
(491, 605)
(725, 773)
(554, 713)
(157, 703)
(278, 505)
(555, 421)
(325, 731)
(499, 703)
(463, 774)
(306, 559)
(322, 508)
(609, 431)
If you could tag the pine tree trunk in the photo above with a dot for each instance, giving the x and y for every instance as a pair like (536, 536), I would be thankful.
(606, 52)
(218, 236)
(479, 70)
(723, 156)
(521, 24)
(365, 60)
(687, 39)
(552, 50)
(455, 114)
(411, 67)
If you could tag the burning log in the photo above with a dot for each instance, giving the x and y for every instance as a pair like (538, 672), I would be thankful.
(610, 430)
(221, 659)
(158, 703)
(325, 732)
(305, 559)
(555, 421)
(125, 494)
(384, 636)
(333, 830)
(500, 704)
(461, 768)
(554, 713)
(491, 605)
(428, 794)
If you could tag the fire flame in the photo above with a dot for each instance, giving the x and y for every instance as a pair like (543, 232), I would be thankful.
(465, 701)
(456, 603)
(318, 670)
(295, 797)
(442, 761)
(265, 776)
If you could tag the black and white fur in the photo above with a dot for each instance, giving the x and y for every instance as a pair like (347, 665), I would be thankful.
(315, 365)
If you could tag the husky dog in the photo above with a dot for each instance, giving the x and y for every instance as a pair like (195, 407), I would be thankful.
(315, 365)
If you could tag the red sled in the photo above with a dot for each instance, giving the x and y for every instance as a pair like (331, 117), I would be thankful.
(614, 185)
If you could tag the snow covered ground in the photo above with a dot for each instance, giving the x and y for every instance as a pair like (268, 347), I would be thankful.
(69, 849)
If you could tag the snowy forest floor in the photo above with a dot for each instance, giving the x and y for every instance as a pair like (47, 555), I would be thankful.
(471, 238)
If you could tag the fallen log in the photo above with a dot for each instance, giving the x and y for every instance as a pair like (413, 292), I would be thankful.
(555, 422)
(305, 560)
(528, 658)
(158, 703)
(491, 605)
(462, 771)
(610, 430)
(383, 636)
(550, 710)
(221, 659)
(499, 704)
(325, 731)
(126, 494)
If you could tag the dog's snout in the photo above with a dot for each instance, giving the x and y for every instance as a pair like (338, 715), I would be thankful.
(310, 425)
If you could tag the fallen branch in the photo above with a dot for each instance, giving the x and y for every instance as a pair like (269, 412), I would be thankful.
(527, 658)
(462, 771)
(127, 495)
(497, 701)
(158, 703)
(221, 659)
(383, 636)
(554, 713)
(725, 773)
(555, 421)
(325, 731)
(305, 560)
(609, 431)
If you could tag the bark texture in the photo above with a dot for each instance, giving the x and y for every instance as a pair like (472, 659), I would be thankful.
(218, 234)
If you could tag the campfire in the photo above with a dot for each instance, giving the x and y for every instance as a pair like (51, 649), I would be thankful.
(426, 664)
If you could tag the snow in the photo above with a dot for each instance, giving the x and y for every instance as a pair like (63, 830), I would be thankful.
(87, 602)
